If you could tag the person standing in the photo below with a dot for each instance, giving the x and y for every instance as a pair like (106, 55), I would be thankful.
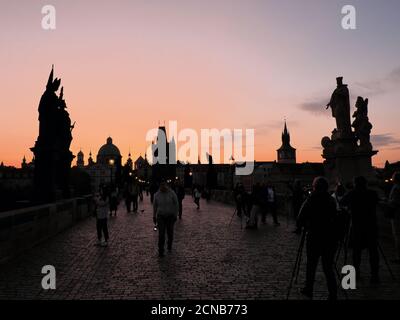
(128, 195)
(153, 189)
(263, 202)
(238, 197)
(197, 195)
(256, 206)
(165, 212)
(317, 217)
(180, 192)
(394, 204)
(343, 218)
(298, 197)
(113, 201)
(271, 203)
(135, 195)
(140, 187)
(102, 207)
(362, 203)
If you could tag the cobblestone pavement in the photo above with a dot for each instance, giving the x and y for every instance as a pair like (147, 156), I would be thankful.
(210, 260)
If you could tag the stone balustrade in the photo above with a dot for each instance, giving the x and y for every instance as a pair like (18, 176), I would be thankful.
(24, 228)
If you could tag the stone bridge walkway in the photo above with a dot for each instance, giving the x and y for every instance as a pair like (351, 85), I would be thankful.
(210, 260)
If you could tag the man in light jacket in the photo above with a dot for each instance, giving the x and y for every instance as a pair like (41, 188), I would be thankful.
(165, 213)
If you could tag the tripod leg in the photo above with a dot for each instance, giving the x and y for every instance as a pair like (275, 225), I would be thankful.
(299, 251)
(346, 250)
(230, 222)
(339, 279)
(292, 277)
(303, 237)
(346, 243)
(386, 262)
(338, 253)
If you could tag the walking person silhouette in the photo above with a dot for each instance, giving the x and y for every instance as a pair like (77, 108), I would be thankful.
(180, 192)
(197, 196)
(165, 213)
(102, 207)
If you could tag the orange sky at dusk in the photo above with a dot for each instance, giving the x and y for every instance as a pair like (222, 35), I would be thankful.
(126, 65)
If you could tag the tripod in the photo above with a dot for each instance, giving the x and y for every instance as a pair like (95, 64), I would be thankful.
(297, 264)
(296, 269)
(344, 243)
(241, 219)
(386, 261)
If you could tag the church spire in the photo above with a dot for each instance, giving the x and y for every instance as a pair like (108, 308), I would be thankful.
(285, 136)
(286, 153)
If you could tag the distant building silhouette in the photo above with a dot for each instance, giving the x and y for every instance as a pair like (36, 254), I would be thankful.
(139, 163)
(286, 153)
(129, 162)
(107, 152)
(107, 168)
(142, 168)
(80, 161)
(163, 156)
(16, 185)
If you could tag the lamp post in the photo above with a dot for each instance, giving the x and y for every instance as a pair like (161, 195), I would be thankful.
(111, 163)
(232, 167)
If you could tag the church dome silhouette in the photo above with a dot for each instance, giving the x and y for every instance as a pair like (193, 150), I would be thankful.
(109, 150)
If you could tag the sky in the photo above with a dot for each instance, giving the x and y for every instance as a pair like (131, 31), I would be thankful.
(126, 65)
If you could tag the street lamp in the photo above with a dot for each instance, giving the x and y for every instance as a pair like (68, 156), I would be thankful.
(111, 163)
(233, 168)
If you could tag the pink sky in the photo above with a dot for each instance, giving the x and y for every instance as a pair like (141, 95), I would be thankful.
(125, 65)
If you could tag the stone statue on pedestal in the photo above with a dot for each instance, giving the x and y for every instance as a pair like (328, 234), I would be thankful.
(348, 153)
(52, 155)
(340, 105)
(362, 126)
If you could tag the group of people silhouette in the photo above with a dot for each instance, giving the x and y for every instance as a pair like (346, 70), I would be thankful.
(165, 197)
(330, 222)
(327, 221)
(261, 201)
(346, 217)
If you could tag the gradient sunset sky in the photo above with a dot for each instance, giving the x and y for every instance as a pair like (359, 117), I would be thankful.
(125, 65)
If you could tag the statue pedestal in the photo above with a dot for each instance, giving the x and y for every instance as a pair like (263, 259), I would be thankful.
(344, 161)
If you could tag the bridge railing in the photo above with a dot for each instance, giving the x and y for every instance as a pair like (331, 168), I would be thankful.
(24, 228)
